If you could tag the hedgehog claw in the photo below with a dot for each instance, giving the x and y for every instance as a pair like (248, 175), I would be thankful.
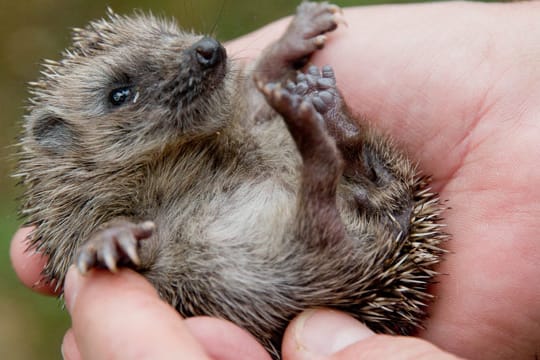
(113, 246)
(84, 262)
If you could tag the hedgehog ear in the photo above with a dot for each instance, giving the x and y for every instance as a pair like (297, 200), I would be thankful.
(53, 134)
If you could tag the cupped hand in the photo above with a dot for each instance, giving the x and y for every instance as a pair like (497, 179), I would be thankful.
(457, 85)
(120, 316)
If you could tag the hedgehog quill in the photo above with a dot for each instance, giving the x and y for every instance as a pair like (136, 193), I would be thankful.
(246, 193)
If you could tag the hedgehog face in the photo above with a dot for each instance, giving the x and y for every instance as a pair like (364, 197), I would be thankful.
(130, 79)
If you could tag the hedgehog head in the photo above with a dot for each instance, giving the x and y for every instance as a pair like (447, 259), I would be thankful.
(133, 80)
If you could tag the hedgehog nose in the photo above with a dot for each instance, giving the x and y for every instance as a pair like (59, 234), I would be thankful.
(209, 52)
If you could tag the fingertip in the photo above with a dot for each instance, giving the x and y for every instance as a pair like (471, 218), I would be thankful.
(330, 334)
(27, 263)
(96, 282)
(71, 287)
(109, 312)
(321, 332)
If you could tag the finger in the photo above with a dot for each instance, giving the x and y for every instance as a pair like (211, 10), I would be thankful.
(120, 316)
(223, 340)
(328, 334)
(134, 319)
(315, 334)
(385, 347)
(70, 351)
(28, 264)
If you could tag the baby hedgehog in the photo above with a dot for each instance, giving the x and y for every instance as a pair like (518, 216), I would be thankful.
(248, 193)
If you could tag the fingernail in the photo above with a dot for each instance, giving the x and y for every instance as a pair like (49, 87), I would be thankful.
(69, 348)
(325, 332)
(63, 352)
(72, 284)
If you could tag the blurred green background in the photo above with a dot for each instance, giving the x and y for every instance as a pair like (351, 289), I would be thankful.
(32, 326)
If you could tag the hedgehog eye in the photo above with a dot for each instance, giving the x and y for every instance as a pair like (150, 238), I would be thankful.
(120, 95)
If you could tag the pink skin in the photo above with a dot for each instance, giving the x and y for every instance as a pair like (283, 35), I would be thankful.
(457, 85)
(132, 308)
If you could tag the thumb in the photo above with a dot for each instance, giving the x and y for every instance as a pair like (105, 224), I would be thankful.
(120, 316)
(329, 334)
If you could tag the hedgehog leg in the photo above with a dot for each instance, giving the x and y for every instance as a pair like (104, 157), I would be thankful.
(363, 166)
(318, 218)
(116, 243)
(303, 37)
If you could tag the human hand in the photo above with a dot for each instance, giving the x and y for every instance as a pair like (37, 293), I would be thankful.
(120, 316)
(456, 85)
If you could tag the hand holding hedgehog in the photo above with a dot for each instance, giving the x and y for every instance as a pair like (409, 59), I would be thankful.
(395, 100)
(248, 193)
(311, 335)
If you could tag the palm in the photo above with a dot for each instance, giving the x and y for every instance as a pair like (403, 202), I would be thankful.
(456, 89)
(463, 109)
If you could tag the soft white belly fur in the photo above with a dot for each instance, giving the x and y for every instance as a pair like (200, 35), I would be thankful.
(260, 212)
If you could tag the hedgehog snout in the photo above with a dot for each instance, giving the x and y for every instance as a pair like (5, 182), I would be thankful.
(208, 52)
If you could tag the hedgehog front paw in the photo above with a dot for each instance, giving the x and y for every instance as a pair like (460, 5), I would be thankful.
(116, 244)
(306, 33)
(314, 19)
